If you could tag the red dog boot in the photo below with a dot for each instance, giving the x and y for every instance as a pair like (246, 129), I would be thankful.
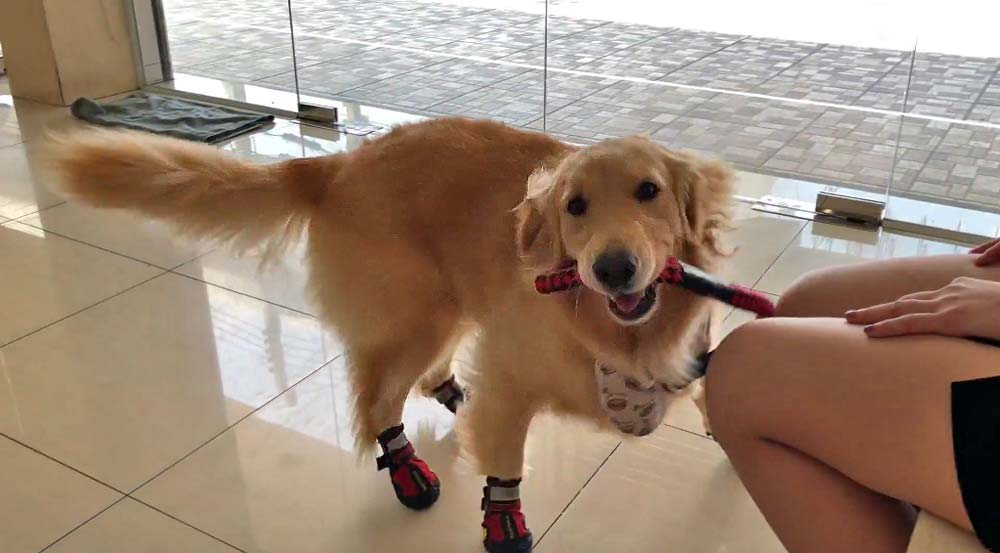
(504, 530)
(450, 394)
(416, 486)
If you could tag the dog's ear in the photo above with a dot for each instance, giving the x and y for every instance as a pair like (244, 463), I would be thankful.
(538, 241)
(705, 190)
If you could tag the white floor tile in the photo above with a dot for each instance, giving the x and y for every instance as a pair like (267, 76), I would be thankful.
(44, 278)
(124, 389)
(120, 232)
(685, 415)
(42, 500)
(9, 134)
(821, 245)
(669, 491)
(934, 535)
(756, 241)
(283, 283)
(21, 190)
(131, 527)
(33, 119)
(285, 479)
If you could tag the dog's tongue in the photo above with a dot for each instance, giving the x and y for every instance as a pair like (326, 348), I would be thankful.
(626, 303)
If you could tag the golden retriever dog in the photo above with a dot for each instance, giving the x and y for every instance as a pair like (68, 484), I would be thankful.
(438, 228)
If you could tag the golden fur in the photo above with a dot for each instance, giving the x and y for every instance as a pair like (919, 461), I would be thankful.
(439, 228)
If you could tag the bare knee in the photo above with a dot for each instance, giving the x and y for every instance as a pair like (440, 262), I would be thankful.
(738, 378)
(808, 296)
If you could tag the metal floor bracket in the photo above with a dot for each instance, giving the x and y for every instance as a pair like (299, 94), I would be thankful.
(317, 114)
(850, 209)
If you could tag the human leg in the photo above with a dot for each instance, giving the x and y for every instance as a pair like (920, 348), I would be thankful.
(832, 291)
(828, 428)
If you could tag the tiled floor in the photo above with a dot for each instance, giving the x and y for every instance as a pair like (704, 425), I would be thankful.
(608, 78)
(163, 397)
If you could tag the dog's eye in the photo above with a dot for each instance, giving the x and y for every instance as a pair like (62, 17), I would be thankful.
(646, 191)
(577, 206)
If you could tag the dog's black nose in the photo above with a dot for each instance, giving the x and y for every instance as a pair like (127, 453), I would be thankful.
(615, 270)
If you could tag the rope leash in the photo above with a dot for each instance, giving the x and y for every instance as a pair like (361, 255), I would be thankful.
(680, 274)
(677, 273)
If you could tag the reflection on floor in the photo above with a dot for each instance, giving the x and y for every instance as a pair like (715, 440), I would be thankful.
(687, 88)
(158, 396)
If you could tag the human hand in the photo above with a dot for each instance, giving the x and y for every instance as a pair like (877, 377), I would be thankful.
(967, 307)
(989, 253)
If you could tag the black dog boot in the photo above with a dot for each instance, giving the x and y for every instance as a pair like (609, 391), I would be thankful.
(450, 394)
(504, 529)
(416, 486)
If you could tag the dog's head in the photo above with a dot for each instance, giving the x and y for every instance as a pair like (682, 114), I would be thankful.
(619, 209)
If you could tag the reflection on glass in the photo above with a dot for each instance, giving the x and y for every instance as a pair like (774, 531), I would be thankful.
(787, 96)
(439, 57)
(271, 348)
(232, 42)
(863, 244)
(812, 96)
(950, 153)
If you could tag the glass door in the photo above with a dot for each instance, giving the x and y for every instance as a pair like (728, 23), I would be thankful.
(234, 51)
(789, 93)
(377, 60)
(831, 102)
(947, 164)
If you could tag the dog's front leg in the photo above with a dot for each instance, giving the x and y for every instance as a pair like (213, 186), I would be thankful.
(497, 429)
(699, 395)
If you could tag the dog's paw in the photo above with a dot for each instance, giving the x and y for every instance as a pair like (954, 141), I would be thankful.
(451, 394)
(415, 484)
(505, 532)
(504, 526)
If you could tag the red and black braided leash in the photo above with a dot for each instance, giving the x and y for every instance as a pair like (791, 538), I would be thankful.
(677, 273)
(680, 274)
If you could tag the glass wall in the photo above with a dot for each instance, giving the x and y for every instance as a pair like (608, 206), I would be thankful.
(949, 147)
(440, 57)
(812, 96)
(238, 50)
(802, 93)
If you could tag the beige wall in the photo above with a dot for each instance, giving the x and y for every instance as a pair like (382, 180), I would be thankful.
(28, 52)
(60, 50)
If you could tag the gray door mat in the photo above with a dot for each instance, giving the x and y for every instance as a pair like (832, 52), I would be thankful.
(177, 117)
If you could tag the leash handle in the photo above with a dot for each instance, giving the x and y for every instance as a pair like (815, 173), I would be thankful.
(677, 273)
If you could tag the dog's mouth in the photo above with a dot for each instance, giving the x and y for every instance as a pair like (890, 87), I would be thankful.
(632, 308)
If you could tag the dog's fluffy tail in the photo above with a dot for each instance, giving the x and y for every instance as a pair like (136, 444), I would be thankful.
(202, 191)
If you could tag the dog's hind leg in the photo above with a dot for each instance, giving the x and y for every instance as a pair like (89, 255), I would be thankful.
(383, 376)
(394, 332)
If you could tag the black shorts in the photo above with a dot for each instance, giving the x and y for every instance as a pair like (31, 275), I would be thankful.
(975, 426)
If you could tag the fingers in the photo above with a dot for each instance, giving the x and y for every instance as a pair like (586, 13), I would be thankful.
(904, 306)
(925, 295)
(983, 247)
(915, 323)
(990, 256)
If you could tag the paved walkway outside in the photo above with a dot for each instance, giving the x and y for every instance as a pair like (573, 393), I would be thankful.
(719, 93)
